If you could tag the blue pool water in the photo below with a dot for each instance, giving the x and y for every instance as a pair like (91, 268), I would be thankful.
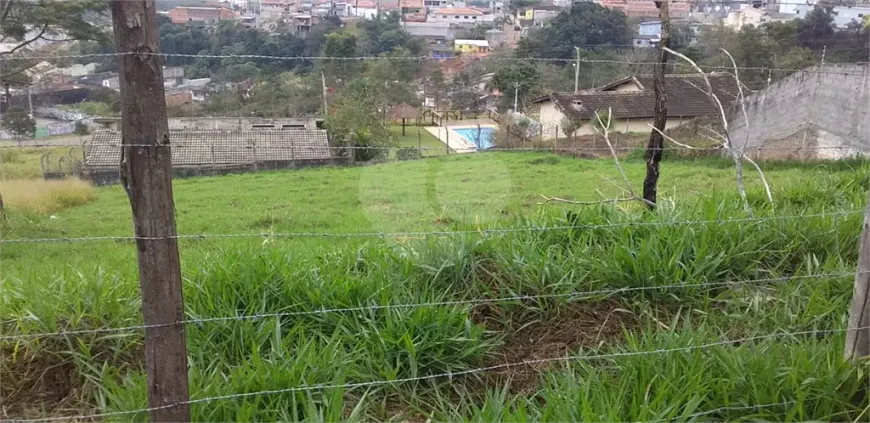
(482, 139)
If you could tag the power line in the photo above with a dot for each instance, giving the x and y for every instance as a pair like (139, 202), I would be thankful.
(414, 58)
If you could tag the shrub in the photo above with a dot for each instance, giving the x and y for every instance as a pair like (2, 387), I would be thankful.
(408, 153)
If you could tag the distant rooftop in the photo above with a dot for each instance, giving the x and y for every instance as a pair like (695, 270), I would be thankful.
(198, 148)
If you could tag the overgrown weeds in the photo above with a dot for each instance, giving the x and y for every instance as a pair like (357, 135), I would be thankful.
(45, 196)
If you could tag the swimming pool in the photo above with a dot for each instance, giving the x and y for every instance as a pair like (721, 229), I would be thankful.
(483, 139)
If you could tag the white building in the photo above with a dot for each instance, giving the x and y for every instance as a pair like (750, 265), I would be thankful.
(460, 15)
(362, 9)
(843, 15)
(749, 16)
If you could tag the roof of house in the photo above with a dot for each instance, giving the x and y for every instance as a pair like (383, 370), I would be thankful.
(458, 11)
(479, 43)
(687, 97)
(191, 148)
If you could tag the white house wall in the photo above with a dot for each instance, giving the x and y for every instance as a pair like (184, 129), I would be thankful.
(551, 120)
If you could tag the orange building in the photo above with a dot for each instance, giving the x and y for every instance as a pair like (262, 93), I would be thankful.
(646, 8)
(184, 15)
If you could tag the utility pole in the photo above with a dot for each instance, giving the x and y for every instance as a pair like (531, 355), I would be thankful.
(577, 71)
(325, 104)
(858, 329)
(29, 101)
(516, 95)
(146, 175)
(656, 140)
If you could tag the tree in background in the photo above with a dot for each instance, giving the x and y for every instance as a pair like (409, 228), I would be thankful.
(523, 74)
(476, 32)
(339, 45)
(356, 119)
(81, 129)
(585, 24)
(241, 72)
(17, 122)
(817, 29)
(23, 23)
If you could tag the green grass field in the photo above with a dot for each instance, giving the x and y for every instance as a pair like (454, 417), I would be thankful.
(418, 137)
(664, 290)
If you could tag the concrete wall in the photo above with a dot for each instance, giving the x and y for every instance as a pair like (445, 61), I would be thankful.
(826, 106)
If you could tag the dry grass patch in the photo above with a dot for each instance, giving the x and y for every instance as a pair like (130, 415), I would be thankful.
(40, 196)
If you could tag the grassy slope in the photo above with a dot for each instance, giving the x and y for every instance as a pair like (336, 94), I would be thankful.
(227, 277)
(482, 189)
(24, 163)
(416, 136)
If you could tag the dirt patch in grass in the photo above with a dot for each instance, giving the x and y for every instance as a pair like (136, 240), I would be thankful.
(39, 386)
(577, 325)
(49, 385)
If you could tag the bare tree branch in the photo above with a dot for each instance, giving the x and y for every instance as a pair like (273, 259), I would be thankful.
(26, 42)
(723, 120)
(746, 123)
(605, 132)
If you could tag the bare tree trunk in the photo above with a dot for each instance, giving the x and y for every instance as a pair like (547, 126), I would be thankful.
(146, 174)
(656, 143)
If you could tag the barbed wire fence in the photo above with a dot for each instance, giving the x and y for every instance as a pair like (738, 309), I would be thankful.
(521, 143)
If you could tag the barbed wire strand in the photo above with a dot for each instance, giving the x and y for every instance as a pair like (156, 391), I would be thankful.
(483, 232)
(473, 302)
(451, 375)
(181, 146)
(416, 58)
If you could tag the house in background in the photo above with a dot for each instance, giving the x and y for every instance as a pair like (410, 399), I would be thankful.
(200, 15)
(471, 46)
(438, 36)
(460, 15)
(365, 9)
(538, 15)
(631, 102)
(843, 14)
(646, 8)
(649, 33)
(748, 15)
(495, 38)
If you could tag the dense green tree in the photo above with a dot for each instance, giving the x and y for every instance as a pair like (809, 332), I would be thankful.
(584, 24)
(356, 119)
(337, 70)
(518, 78)
(81, 129)
(18, 122)
(241, 72)
(817, 29)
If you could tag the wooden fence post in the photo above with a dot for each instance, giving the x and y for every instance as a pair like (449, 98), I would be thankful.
(858, 333)
(146, 174)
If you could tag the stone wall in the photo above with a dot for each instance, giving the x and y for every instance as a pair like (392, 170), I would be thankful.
(822, 112)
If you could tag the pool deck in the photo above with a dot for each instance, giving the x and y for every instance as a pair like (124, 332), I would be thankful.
(456, 142)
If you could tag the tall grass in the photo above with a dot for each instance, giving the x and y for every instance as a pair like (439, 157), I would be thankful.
(45, 196)
(306, 346)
